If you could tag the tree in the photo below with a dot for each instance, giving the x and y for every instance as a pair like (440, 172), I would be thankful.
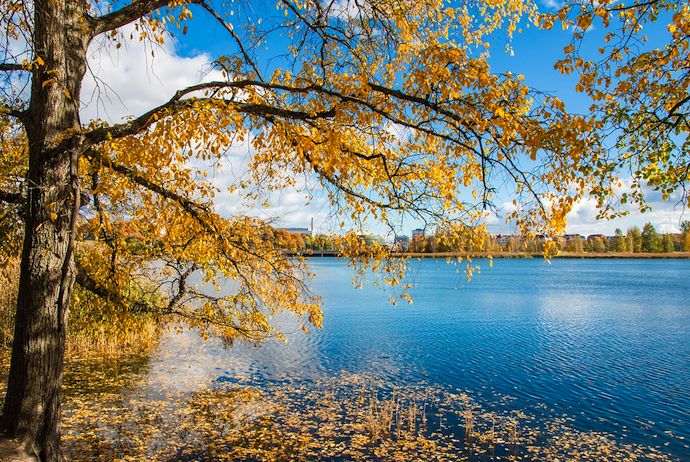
(634, 238)
(418, 244)
(685, 235)
(667, 244)
(685, 227)
(596, 244)
(631, 59)
(619, 244)
(576, 245)
(650, 239)
(629, 243)
(490, 244)
(338, 77)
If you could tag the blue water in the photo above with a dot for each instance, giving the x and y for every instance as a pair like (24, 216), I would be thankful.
(604, 342)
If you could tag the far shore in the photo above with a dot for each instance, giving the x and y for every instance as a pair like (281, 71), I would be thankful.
(581, 255)
(560, 255)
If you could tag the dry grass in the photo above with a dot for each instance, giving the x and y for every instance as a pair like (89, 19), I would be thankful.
(9, 285)
(106, 332)
(112, 342)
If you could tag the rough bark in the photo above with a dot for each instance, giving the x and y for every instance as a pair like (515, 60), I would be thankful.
(32, 405)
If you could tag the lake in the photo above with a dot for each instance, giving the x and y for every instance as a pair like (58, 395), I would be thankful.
(602, 343)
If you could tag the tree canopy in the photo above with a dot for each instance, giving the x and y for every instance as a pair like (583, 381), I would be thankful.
(348, 75)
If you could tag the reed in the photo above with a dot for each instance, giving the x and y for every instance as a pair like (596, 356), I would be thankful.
(94, 328)
(9, 282)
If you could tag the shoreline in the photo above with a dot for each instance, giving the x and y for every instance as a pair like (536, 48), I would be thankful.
(579, 255)
(572, 255)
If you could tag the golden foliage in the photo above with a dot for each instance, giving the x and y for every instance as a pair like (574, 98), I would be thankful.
(392, 107)
(638, 82)
(96, 326)
(13, 165)
(9, 281)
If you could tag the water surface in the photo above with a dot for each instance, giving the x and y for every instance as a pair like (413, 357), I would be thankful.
(603, 342)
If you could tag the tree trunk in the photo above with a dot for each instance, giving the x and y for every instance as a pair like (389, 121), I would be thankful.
(32, 405)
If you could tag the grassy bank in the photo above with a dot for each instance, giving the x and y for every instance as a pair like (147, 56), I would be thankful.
(95, 326)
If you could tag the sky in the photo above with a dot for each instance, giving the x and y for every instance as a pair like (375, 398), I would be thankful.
(136, 77)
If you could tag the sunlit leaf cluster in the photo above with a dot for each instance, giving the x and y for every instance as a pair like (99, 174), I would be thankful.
(13, 163)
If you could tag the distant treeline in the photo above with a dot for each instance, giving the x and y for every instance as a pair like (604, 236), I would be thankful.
(634, 240)
(300, 243)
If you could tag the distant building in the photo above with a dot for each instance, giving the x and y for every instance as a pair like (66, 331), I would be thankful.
(572, 237)
(297, 230)
(504, 239)
(304, 231)
(401, 243)
(417, 234)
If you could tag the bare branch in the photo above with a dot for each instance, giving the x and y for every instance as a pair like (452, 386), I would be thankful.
(11, 67)
(234, 35)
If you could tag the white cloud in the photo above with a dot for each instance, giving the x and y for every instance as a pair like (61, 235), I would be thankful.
(553, 4)
(665, 214)
(346, 9)
(289, 207)
(136, 77)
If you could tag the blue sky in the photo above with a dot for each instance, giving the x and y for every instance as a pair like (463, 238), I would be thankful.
(129, 88)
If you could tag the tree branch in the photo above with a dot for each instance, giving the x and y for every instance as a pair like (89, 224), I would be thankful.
(85, 281)
(14, 112)
(10, 197)
(188, 205)
(176, 104)
(127, 14)
(11, 67)
(199, 212)
(234, 35)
